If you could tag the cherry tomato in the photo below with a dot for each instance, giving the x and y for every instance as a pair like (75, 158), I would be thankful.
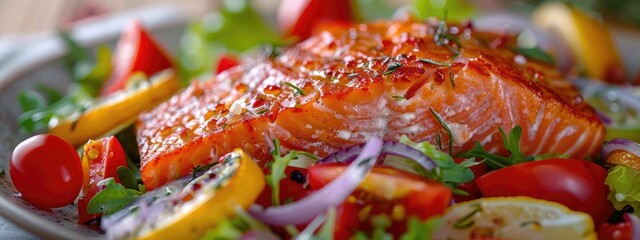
(577, 184)
(137, 51)
(291, 187)
(298, 18)
(618, 231)
(46, 170)
(100, 160)
(225, 62)
(471, 187)
(388, 192)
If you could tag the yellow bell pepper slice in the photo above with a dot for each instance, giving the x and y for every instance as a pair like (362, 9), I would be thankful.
(117, 110)
(238, 184)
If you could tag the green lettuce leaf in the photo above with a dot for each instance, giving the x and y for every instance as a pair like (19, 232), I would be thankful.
(625, 190)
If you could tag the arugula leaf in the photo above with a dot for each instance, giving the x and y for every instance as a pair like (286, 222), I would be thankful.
(624, 190)
(277, 169)
(447, 172)
(421, 230)
(536, 54)
(112, 198)
(91, 75)
(511, 143)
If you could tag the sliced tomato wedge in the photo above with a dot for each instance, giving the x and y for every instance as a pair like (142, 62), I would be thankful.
(100, 160)
(298, 18)
(385, 193)
(137, 51)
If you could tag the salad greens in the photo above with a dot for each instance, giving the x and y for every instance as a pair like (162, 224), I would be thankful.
(277, 167)
(113, 198)
(625, 190)
(511, 143)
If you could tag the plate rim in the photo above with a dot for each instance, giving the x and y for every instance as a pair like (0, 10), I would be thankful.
(48, 48)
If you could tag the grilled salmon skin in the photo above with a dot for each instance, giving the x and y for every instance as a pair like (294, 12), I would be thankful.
(346, 84)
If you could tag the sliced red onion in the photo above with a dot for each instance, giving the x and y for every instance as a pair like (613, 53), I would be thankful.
(620, 144)
(332, 195)
(635, 225)
(388, 148)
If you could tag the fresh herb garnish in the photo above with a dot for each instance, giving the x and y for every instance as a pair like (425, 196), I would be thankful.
(446, 128)
(451, 78)
(277, 169)
(447, 172)
(536, 54)
(398, 98)
(511, 143)
(295, 88)
(392, 67)
(443, 38)
(434, 62)
(112, 198)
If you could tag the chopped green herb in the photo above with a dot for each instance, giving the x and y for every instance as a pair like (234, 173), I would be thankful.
(399, 98)
(511, 143)
(392, 67)
(452, 78)
(295, 88)
(434, 62)
(536, 54)
(112, 198)
(446, 128)
(442, 36)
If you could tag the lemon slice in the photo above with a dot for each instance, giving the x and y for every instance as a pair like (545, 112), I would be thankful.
(514, 218)
(189, 211)
(588, 37)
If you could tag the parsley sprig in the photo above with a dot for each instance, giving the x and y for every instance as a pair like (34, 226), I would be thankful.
(112, 198)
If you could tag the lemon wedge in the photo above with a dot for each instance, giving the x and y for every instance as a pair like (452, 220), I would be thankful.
(588, 37)
(514, 218)
(213, 197)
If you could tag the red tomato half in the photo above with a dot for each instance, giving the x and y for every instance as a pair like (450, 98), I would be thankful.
(103, 157)
(46, 170)
(137, 51)
(298, 18)
(577, 184)
(386, 191)
(618, 231)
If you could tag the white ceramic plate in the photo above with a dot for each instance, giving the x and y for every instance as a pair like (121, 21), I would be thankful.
(36, 60)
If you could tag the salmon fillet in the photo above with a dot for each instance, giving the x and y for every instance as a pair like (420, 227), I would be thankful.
(346, 84)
